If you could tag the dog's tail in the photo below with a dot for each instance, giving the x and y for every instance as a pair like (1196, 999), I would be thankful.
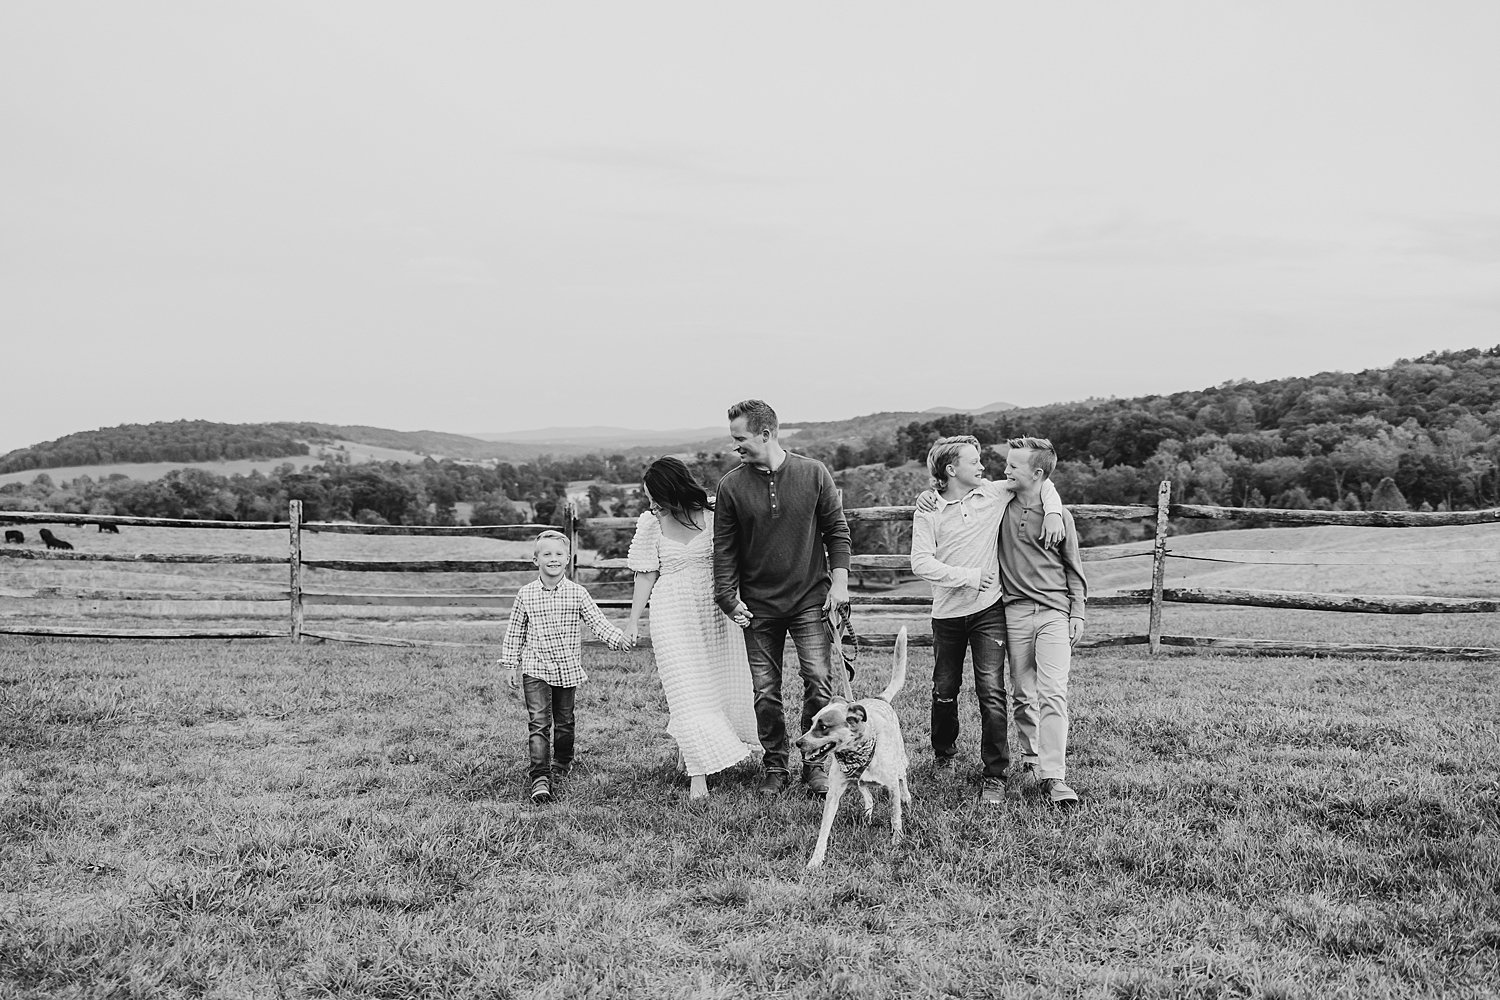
(898, 668)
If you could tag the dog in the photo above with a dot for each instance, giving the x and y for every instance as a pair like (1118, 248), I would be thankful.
(862, 742)
(53, 542)
(14, 537)
(105, 526)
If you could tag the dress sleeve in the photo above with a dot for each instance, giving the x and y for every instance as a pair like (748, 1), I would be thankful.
(645, 555)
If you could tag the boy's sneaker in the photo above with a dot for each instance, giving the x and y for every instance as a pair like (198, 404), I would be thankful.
(1058, 793)
(541, 791)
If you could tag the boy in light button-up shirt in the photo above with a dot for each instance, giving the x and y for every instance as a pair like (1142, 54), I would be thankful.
(954, 546)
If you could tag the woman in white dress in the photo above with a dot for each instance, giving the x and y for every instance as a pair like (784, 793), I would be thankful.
(700, 655)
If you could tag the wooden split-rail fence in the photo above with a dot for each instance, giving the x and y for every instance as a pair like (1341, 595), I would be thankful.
(298, 597)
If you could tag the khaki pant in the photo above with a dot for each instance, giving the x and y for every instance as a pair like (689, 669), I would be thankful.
(1040, 654)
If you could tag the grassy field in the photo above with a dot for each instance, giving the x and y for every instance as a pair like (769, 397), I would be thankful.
(256, 819)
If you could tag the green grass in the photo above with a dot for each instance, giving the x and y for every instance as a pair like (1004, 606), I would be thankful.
(258, 819)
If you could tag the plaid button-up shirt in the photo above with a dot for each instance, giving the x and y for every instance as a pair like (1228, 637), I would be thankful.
(545, 638)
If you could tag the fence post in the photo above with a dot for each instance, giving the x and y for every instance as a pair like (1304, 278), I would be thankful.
(570, 528)
(1159, 562)
(294, 559)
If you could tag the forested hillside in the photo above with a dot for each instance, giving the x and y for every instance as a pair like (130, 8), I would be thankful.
(1431, 426)
(177, 441)
(207, 441)
(1420, 433)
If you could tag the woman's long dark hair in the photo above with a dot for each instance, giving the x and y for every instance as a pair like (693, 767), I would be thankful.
(675, 491)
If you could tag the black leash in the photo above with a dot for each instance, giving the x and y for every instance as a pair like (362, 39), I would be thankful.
(840, 636)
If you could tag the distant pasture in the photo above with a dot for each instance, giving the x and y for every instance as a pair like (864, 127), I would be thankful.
(147, 471)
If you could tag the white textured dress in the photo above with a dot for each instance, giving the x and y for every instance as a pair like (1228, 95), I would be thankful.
(700, 654)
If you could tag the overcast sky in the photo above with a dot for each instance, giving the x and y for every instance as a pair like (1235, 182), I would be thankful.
(498, 216)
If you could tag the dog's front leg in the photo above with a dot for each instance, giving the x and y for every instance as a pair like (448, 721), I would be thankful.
(864, 793)
(895, 816)
(830, 809)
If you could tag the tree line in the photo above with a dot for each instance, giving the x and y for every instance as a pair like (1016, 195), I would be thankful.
(374, 493)
(1423, 434)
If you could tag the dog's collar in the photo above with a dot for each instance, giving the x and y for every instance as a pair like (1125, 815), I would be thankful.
(856, 758)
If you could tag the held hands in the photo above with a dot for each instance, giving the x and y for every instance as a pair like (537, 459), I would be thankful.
(632, 632)
(742, 615)
(988, 578)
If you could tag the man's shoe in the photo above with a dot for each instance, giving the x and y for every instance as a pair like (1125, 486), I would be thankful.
(1059, 794)
(771, 783)
(992, 792)
(541, 791)
(943, 761)
(815, 777)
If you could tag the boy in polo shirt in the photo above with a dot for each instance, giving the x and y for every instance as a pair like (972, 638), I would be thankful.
(543, 642)
(954, 548)
(1044, 592)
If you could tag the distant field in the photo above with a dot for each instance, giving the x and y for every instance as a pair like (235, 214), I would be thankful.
(217, 819)
(147, 471)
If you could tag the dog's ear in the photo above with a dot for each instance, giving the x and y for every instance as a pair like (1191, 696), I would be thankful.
(857, 714)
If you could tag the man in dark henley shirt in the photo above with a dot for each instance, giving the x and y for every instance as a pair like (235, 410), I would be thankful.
(774, 517)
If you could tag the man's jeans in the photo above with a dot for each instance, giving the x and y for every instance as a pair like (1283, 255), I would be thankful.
(982, 634)
(1040, 655)
(551, 725)
(765, 643)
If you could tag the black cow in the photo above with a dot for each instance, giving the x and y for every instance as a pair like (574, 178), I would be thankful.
(14, 537)
(53, 542)
(106, 526)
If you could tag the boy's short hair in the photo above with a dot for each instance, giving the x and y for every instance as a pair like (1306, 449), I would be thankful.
(547, 536)
(945, 452)
(1042, 456)
(758, 415)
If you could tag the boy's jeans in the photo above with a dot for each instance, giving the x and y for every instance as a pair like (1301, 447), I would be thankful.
(983, 634)
(1040, 654)
(765, 643)
(551, 725)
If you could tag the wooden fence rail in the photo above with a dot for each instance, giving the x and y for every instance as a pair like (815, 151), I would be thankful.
(298, 596)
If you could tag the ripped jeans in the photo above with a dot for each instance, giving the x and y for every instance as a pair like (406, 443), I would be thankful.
(983, 634)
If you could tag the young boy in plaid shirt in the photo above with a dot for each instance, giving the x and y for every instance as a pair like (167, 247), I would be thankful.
(543, 642)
